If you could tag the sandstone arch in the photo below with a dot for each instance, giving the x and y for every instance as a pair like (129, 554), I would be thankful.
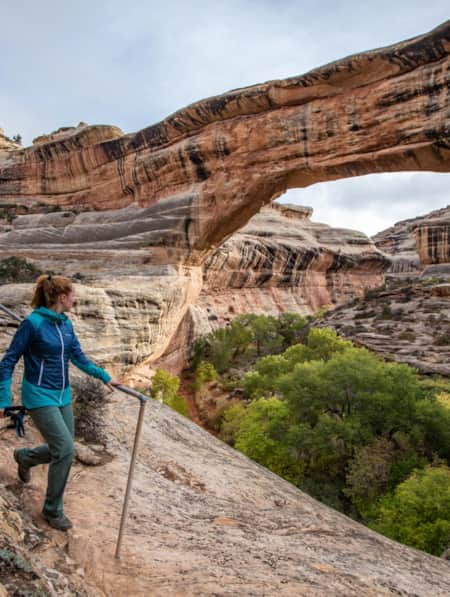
(182, 186)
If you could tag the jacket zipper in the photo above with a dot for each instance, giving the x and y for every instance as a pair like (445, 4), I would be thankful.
(62, 361)
(41, 372)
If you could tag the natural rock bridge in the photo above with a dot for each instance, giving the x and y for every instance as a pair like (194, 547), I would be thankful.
(182, 186)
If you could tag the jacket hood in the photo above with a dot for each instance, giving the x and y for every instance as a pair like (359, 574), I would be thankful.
(52, 315)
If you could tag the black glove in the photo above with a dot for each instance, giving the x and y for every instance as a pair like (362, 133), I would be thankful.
(16, 414)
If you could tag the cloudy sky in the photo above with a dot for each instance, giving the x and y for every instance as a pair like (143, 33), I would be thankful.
(133, 63)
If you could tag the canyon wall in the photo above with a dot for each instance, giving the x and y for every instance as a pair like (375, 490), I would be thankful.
(280, 261)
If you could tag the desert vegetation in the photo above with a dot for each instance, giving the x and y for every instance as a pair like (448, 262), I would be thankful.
(17, 270)
(368, 437)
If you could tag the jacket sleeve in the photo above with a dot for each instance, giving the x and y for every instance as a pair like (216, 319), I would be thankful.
(80, 360)
(16, 349)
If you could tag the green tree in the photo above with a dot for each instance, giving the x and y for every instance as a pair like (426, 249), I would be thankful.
(323, 343)
(165, 386)
(263, 381)
(418, 512)
(265, 334)
(357, 384)
(261, 434)
(377, 468)
(224, 346)
(200, 350)
(220, 349)
(231, 422)
(433, 418)
(291, 327)
(205, 372)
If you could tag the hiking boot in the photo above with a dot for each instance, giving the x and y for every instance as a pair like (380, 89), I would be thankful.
(61, 523)
(22, 470)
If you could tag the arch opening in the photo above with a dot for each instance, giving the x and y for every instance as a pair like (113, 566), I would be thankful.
(373, 202)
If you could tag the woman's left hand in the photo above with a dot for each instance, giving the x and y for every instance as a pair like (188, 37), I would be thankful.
(111, 384)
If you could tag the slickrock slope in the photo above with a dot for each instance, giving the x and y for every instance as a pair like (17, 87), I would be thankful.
(22, 571)
(416, 243)
(409, 324)
(205, 520)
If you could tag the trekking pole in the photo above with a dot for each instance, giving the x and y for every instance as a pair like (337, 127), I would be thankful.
(143, 399)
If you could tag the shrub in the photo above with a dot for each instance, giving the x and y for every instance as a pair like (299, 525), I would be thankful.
(166, 386)
(321, 312)
(442, 339)
(386, 312)
(370, 293)
(205, 372)
(432, 281)
(231, 421)
(408, 336)
(89, 410)
(17, 270)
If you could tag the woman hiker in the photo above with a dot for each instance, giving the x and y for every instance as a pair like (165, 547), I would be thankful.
(47, 341)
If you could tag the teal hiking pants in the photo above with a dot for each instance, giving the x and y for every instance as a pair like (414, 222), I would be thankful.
(56, 426)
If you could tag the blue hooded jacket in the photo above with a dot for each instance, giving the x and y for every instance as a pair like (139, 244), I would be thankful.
(47, 341)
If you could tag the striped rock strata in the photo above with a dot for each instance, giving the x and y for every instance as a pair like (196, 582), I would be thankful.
(418, 246)
(280, 261)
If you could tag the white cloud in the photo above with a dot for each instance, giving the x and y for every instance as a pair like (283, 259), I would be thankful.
(374, 202)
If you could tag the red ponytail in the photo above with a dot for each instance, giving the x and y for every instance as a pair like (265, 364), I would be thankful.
(48, 288)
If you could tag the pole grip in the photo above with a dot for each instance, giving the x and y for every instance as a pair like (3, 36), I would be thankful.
(131, 392)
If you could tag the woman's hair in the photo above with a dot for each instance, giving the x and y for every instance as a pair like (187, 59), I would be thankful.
(48, 288)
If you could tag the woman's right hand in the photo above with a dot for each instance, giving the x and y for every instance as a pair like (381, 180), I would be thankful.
(111, 384)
